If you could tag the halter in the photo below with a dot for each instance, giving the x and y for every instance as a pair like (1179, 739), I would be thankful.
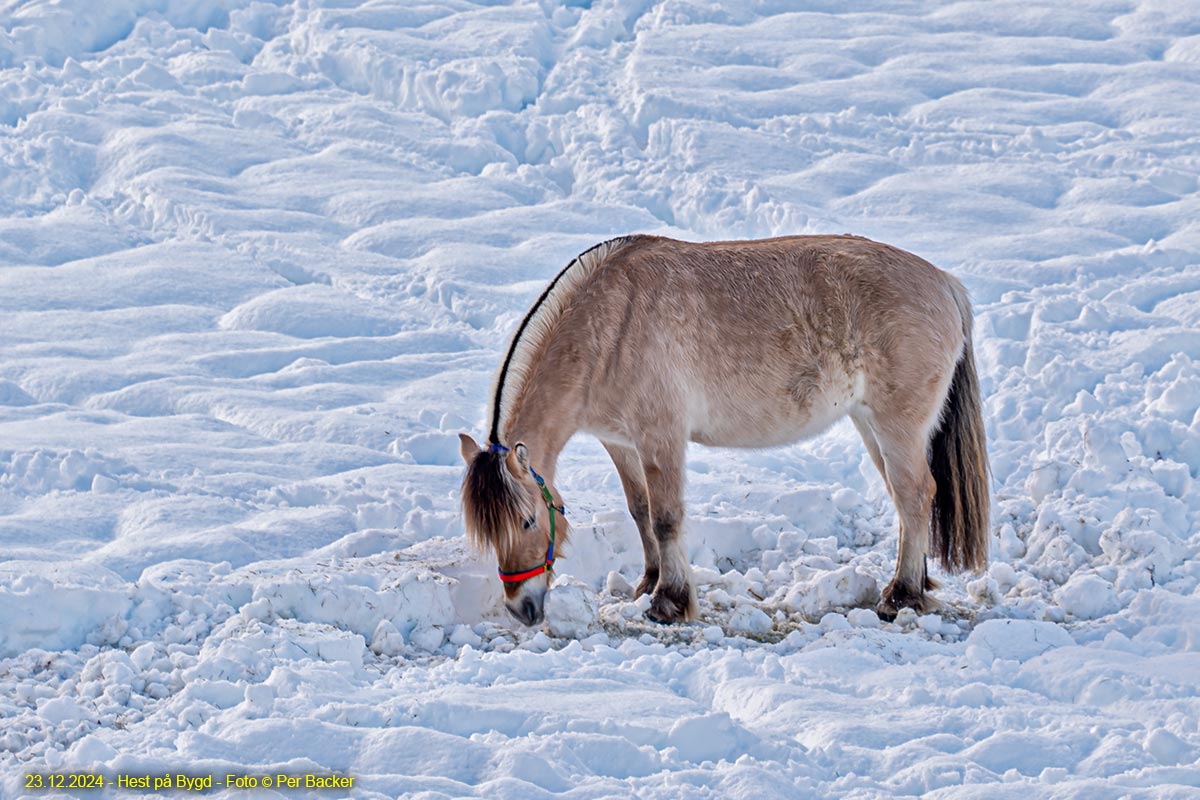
(517, 577)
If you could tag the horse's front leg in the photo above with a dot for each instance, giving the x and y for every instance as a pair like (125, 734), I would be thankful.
(674, 598)
(633, 481)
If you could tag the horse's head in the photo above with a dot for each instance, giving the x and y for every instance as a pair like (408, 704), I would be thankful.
(508, 509)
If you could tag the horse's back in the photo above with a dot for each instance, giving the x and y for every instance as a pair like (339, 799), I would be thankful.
(774, 271)
(767, 341)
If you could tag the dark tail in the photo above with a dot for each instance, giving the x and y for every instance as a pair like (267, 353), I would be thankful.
(959, 463)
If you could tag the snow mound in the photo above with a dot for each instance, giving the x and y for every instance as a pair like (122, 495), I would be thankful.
(1016, 639)
(46, 606)
(571, 610)
(844, 587)
(311, 311)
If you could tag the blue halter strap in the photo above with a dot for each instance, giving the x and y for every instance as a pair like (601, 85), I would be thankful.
(517, 577)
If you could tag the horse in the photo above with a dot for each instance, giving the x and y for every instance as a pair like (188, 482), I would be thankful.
(648, 343)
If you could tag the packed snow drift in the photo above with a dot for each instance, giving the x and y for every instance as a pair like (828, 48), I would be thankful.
(259, 261)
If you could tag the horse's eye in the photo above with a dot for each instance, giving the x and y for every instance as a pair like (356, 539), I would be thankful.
(529, 523)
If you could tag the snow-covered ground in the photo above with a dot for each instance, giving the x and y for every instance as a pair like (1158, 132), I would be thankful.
(258, 261)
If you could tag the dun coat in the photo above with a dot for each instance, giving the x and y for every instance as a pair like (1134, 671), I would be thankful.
(648, 343)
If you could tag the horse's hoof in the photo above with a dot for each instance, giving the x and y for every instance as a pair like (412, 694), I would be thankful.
(668, 606)
(897, 596)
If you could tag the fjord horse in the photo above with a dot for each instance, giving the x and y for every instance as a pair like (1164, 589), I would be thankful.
(648, 343)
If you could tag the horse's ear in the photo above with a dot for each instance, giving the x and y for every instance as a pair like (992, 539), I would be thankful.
(522, 454)
(468, 447)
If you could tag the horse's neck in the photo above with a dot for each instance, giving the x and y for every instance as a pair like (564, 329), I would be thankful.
(542, 446)
(543, 422)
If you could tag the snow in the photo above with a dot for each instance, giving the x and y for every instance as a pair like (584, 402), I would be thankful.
(1016, 639)
(571, 611)
(258, 261)
(1087, 597)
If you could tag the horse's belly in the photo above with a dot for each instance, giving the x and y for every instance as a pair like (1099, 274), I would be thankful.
(744, 419)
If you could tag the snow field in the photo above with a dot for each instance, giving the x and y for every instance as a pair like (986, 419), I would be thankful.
(259, 260)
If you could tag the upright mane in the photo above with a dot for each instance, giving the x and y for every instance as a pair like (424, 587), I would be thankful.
(538, 322)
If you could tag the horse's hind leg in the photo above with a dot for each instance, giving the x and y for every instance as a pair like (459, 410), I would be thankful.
(906, 472)
(674, 598)
(633, 481)
(868, 437)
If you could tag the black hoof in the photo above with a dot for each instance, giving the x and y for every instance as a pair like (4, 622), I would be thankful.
(669, 605)
(896, 596)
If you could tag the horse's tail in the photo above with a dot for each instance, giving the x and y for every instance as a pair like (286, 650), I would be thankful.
(959, 464)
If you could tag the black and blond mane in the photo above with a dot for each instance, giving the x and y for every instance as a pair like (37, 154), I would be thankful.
(538, 321)
(495, 505)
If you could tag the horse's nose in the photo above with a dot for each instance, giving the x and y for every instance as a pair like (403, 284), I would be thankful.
(527, 610)
(533, 611)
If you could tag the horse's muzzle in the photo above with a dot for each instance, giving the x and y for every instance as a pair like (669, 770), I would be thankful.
(527, 607)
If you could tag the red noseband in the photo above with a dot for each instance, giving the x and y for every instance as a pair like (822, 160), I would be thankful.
(517, 577)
